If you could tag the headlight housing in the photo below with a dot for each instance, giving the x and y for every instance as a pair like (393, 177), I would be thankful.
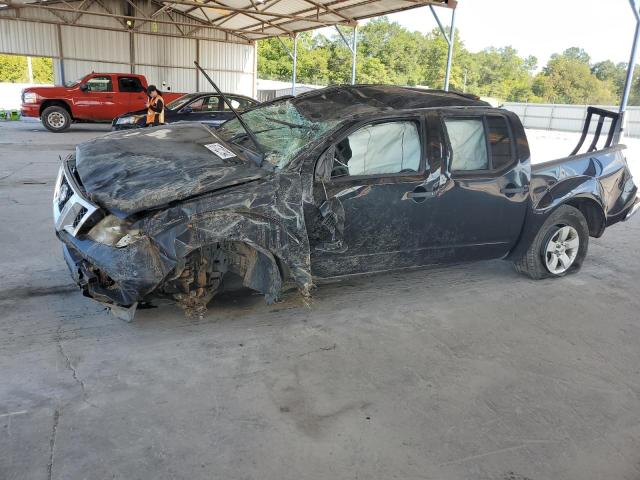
(128, 120)
(30, 97)
(114, 232)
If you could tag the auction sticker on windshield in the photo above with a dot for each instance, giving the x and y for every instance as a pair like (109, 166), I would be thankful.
(220, 151)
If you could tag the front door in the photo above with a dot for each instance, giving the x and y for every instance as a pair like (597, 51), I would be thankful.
(97, 99)
(374, 197)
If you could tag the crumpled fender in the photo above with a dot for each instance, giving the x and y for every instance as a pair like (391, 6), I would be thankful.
(265, 215)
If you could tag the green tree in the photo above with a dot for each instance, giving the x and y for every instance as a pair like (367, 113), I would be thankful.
(42, 69)
(568, 78)
(13, 69)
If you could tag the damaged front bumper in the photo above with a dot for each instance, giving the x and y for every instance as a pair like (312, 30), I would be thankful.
(116, 277)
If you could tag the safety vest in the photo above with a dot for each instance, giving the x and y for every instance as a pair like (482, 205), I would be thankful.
(151, 115)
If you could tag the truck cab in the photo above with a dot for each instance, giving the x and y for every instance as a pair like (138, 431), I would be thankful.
(97, 97)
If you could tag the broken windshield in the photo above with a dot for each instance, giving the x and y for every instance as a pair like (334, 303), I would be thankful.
(280, 128)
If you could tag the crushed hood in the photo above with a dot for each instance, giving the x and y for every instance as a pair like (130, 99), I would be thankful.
(131, 171)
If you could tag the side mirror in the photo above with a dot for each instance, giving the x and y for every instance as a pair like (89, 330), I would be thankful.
(187, 110)
(84, 87)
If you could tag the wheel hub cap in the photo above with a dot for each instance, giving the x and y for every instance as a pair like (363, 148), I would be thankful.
(56, 119)
(562, 249)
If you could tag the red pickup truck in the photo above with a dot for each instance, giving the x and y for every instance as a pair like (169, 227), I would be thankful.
(97, 97)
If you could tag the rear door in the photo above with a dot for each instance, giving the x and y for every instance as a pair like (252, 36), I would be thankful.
(481, 209)
(375, 194)
(131, 94)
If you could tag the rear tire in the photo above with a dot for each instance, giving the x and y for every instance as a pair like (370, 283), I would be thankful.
(56, 119)
(559, 247)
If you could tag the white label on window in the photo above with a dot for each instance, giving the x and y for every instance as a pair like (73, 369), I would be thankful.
(220, 151)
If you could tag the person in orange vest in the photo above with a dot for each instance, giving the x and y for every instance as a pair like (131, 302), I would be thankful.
(155, 107)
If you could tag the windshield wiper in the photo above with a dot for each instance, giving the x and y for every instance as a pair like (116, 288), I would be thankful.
(251, 135)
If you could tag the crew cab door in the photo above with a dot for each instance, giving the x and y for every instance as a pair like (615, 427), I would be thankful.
(372, 200)
(480, 209)
(96, 99)
(131, 94)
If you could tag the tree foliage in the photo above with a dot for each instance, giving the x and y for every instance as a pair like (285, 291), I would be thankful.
(13, 69)
(388, 53)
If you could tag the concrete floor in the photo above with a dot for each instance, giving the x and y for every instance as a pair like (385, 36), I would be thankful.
(471, 372)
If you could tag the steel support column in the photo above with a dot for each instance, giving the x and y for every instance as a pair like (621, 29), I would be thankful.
(450, 37)
(630, 70)
(354, 49)
(294, 58)
(295, 64)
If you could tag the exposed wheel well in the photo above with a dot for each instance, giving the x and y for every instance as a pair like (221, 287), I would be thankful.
(592, 213)
(57, 103)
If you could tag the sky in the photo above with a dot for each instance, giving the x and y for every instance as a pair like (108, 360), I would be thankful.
(604, 28)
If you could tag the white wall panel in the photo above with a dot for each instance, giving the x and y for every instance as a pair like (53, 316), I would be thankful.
(89, 43)
(229, 82)
(28, 38)
(179, 79)
(227, 56)
(75, 69)
(164, 51)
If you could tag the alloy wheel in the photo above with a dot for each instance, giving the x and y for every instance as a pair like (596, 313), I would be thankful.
(562, 249)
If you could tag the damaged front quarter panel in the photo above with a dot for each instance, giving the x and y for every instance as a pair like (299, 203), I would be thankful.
(256, 230)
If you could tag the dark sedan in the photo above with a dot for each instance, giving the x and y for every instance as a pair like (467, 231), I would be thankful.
(207, 108)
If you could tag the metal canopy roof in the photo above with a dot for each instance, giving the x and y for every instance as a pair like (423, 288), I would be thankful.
(256, 19)
(248, 19)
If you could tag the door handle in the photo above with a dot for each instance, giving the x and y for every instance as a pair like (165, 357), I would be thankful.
(420, 194)
(514, 190)
(109, 96)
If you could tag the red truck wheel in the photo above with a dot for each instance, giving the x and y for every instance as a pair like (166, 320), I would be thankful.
(56, 119)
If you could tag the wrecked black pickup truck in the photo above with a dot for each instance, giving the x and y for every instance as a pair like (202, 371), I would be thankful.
(340, 181)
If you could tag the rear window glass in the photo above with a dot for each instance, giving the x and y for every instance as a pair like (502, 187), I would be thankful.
(468, 144)
(130, 84)
(500, 141)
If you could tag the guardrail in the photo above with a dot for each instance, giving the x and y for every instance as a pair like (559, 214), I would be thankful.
(569, 118)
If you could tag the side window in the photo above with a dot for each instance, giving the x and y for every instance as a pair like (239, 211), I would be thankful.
(238, 103)
(129, 84)
(500, 142)
(383, 148)
(235, 103)
(468, 144)
(206, 104)
(100, 84)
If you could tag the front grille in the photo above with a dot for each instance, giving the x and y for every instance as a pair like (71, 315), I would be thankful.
(81, 213)
(72, 212)
(65, 193)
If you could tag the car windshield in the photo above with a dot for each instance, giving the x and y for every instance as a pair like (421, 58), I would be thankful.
(180, 102)
(73, 83)
(280, 128)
